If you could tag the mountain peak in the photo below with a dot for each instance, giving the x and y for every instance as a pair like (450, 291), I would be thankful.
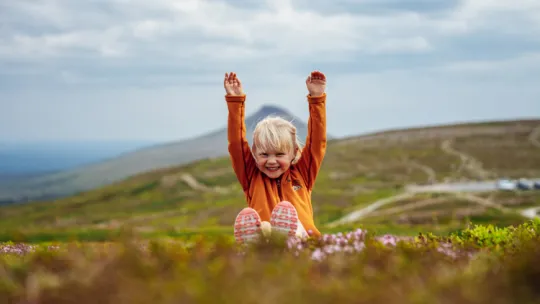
(266, 110)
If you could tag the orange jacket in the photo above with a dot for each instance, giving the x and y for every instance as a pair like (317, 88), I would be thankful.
(296, 184)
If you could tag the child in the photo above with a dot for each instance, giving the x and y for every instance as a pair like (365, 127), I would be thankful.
(276, 173)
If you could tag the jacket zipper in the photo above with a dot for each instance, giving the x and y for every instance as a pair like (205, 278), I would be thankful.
(279, 189)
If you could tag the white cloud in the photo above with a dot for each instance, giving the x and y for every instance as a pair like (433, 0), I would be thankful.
(215, 33)
(512, 16)
(524, 63)
(217, 30)
(276, 30)
(138, 54)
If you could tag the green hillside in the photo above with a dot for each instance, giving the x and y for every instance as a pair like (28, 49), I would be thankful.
(357, 171)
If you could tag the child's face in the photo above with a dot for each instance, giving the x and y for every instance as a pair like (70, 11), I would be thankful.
(274, 163)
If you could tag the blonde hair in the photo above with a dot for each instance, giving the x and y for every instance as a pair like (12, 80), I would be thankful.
(278, 134)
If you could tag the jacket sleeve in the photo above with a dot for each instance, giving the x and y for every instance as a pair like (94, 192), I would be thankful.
(240, 153)
(315, 145)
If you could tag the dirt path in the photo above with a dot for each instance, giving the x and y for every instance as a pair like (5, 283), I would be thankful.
(483, 202)
(534, 137)
(410, 206)
(530, 213)
(192, 182)
(356, 215)
(430, 173)
(468, 162)
(363, 212)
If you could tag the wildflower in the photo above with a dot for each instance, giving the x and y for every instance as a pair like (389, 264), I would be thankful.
(388, 239)
(358, 246)
(348, 249)
(317, 254)
(326, 238)
(329, 249)
(359, 234)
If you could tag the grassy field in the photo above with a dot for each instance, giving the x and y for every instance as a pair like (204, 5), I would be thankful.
(205, 196)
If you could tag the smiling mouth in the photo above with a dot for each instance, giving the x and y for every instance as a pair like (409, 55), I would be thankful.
(272, 168)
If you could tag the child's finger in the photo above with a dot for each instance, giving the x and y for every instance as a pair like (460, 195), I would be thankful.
(318, 75)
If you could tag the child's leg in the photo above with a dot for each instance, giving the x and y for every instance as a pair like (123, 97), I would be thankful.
(247, 226)
(284, 219)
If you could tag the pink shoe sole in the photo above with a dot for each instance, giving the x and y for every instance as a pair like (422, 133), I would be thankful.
(247, 226)
(284, 219)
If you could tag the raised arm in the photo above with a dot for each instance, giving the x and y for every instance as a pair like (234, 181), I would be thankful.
(315, 146)
(239, 150)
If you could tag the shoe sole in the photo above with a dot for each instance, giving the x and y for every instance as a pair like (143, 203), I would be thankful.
(247, 226)
(284, 219)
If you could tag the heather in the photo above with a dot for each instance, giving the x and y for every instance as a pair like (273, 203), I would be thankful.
(480, 264)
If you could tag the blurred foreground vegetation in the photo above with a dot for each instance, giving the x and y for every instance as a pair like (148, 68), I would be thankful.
(481, 264)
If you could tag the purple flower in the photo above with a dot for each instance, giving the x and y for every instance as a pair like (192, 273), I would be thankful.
(348, 249)
(326, 238)
(329, 249)
(317, 255)
(359, 234)
(388, 239)
(447, 251)
(19, 249)
(359, 246)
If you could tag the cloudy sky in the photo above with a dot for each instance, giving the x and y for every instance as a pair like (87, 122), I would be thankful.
(153, 70)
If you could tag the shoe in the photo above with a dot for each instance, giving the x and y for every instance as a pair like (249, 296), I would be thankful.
(284, 219)
(247, 226)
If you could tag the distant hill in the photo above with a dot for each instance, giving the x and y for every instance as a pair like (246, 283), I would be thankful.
(205, 195)
(25, 159)
(102, 173)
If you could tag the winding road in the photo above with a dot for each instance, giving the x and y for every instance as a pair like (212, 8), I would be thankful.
(430, 173)
(468, 162)
(534, 137)
(530, 212)
(459, 190)
(356, 215)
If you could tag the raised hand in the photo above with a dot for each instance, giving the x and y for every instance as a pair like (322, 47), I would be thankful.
(316, 84)
(232, 85)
